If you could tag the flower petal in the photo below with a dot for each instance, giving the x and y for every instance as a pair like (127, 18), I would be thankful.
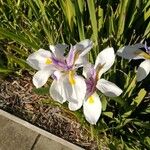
(105, 60)
(77, 52)
(71, 56)
(41, 77)
(108, 88)
(57, 91)
(78, 87)
(131, 51)
(143, 70)
(39, 59)
(88, 70)
(58, 50)
(92, 108)
(75, 106)
(58, 74)
(71, 88)
(84, 46)
(81, 61)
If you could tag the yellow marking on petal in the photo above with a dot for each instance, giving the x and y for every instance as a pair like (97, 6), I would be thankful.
(91, 100)
(76, 56)
(48, 61)
(98, 69)
(71, 78)
(143, 54)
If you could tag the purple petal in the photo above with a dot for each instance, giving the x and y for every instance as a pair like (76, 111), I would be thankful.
(59, 64)
(92, 72)
(70, 58)
(91, 86)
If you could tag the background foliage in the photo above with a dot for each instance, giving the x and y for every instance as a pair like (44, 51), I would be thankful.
(29, 25)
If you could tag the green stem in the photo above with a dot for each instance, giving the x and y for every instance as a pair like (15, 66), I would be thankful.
(92, 131)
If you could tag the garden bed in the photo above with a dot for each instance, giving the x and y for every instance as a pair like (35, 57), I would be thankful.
(17, 97)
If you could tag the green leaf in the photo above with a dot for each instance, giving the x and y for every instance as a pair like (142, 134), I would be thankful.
(122, 17)
(18, 37)
(104, 102)
(131, 87)
(108, 114)
(147, 31)
(147, 15)
(100, 18)
(92, 11)
(18, 61)
(19, 50)
(140, 97)
(79, 17)
(147, 141)
(6, 71)
(47, 33)
(141, 124)
(69, 11)
(41, 6)
(119, 100)
(135, 103)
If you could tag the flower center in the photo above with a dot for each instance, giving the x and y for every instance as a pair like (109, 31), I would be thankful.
(71, 77)
(60, 64)
(48, 61)
(91, 100)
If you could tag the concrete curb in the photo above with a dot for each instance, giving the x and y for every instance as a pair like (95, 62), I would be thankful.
(40, 131)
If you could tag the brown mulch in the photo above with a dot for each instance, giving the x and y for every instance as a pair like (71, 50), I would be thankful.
(17, 97)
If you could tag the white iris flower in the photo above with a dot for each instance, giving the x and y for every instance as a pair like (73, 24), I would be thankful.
(92, 106)
(67, 85)
(136, 52)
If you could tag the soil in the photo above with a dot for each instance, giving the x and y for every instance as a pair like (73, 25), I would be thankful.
(17, 97)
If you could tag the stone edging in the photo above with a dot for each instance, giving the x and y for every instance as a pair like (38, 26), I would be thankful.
(40, 131)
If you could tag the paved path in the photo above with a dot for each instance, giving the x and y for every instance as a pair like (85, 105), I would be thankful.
(14, 136)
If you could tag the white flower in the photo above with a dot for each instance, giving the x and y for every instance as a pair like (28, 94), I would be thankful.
(92, 105)
(67, 85)
(134, 52)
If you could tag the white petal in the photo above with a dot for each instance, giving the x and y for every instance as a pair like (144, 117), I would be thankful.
(92, 108)
(81, 61)
(78, 89)
(84, 46)
(41, 77)
(57, 91)
(143, 70)
(37, 60)
(131, 51)
(63, 89)
(87, 70)
(58, 50)
(75, 106)
(58, 74)
(105, 59)
(108, 88)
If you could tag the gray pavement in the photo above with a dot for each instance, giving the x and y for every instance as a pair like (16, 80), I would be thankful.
(14, 136)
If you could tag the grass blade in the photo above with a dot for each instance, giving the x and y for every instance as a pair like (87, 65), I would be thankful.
(17, 37)
(135, 103)
(79, 17)
(92, 11)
